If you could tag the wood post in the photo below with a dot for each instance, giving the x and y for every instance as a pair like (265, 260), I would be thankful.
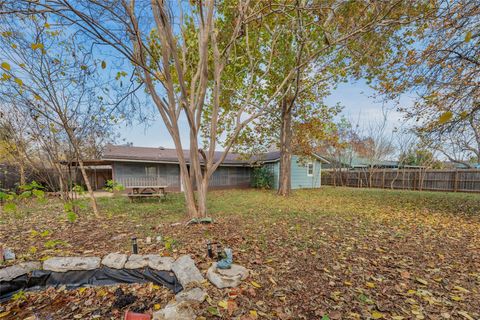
(383, 179)
(455, 181)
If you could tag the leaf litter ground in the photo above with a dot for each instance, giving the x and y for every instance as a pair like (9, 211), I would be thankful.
(336, 253)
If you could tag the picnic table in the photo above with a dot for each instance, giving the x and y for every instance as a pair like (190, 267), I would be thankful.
(139, 192)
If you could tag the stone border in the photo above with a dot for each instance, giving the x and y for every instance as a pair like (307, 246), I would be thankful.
(184, 268)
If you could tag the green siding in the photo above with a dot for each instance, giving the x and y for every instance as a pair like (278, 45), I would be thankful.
(300, 178)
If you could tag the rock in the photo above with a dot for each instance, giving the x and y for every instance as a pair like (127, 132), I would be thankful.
(176, 311)
(160, 263)
(186, 271)
(8, 254)
(136, 261)
(115, 260)
(227, 278)
(195, 294)
(154, 261)
(10, 273)
(63, 264)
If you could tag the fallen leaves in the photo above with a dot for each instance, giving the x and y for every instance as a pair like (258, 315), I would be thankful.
(86, 302)
(335, 253)
(465, 315)
(377, 315)
(421, 281)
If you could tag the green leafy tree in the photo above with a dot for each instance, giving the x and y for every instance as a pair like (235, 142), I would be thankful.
(306, 49)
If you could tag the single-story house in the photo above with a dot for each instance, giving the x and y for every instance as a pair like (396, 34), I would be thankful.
(141, 166)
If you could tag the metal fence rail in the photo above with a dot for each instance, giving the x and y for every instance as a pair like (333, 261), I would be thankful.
(462, 180)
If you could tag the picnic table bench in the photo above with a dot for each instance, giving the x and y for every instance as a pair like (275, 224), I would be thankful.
(139, 192)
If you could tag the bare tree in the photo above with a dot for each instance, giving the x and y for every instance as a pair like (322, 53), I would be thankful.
(51, 83)
(458, 142)
(439, 64)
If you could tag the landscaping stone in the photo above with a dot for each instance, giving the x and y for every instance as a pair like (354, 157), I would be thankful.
(195, 294)
(10, 273)
(176, 311)
(64, 264)
(227, 278)
(8, 254)
(186, 271)
(160, 263)
(136, 261)
(115, 260)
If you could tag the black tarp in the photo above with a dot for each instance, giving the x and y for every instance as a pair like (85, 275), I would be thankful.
(40, 279)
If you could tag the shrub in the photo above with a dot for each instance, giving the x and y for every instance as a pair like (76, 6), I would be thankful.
(112, 186)
(32, 190)
(262, 178)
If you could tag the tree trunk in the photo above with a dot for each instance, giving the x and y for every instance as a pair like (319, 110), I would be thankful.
(188, 191)
(202, 189)
(63, 193)
(89, 188)
(21, 169)
(285, 185)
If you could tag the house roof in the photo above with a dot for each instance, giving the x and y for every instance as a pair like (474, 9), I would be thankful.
(165, 155)
(149, 154)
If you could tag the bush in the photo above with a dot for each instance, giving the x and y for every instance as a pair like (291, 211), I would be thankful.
(112, 186)
(262, 178)
(32, 190)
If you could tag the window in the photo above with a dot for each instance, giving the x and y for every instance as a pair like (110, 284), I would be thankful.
(151, 171)
(310, 169)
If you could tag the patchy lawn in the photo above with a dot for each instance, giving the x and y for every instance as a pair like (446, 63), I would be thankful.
(335, 252)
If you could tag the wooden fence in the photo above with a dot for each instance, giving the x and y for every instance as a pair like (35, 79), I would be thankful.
(462, 180)
(9, 177)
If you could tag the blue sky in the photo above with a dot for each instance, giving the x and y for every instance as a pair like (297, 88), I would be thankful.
(357, 98)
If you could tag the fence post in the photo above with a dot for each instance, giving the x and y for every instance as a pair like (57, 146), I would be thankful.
(383, 179)
(455, 181)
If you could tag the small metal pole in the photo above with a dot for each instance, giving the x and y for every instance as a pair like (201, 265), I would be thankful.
(134, 245)
(209, 249)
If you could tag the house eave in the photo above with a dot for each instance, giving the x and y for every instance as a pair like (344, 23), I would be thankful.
(322, 159)
(172, 162)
